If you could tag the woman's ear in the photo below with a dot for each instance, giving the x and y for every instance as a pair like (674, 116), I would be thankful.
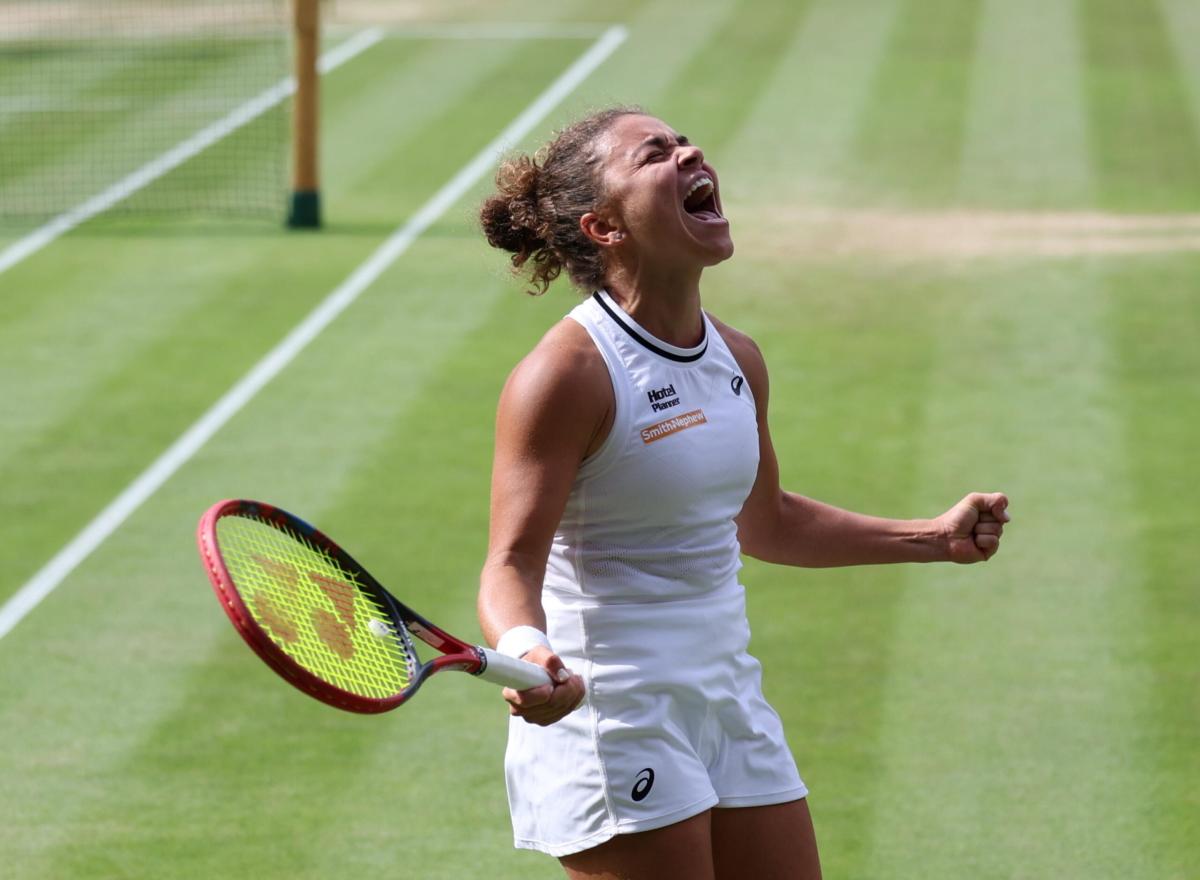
(599, 230)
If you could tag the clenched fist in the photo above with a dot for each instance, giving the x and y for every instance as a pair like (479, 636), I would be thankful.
(972, 528)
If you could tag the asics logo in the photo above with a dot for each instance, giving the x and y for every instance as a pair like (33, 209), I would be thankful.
(642, 785)
(736, 385)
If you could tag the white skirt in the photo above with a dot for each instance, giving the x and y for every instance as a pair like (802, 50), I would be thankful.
(674, 723)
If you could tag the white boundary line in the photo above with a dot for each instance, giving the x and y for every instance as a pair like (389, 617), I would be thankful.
(190, 442)
(497, 31)
(30, 244)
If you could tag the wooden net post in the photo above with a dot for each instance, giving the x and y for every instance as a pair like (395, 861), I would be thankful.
(304, 211)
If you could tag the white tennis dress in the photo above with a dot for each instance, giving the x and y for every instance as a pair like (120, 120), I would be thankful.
(642, 599)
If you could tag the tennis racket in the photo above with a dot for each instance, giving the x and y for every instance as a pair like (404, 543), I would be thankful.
(324, 624)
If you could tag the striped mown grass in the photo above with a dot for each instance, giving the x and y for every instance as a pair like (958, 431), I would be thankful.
(1035, 717)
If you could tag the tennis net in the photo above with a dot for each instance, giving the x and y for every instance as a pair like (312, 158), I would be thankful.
(93, 90)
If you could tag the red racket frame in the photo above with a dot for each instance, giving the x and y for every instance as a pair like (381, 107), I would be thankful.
(456, 654)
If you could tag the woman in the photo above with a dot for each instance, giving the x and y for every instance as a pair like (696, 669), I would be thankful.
(633, 465)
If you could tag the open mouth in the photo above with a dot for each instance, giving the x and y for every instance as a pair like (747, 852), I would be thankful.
(700, 200)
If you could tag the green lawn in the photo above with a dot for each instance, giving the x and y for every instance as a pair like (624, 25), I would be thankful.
(969, 246)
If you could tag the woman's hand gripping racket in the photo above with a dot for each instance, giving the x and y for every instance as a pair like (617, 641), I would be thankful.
(322, 622)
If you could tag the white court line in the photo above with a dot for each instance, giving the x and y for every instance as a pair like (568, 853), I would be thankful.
(190, 442)
(498, 31)
(180, 153)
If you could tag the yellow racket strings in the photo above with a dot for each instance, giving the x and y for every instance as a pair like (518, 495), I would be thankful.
(314, 609)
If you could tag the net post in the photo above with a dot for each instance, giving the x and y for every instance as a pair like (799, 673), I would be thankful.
(304, 209)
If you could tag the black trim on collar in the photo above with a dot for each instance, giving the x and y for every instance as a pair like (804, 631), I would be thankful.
(638, 337)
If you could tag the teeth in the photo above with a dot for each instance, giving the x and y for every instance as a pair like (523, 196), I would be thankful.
(699, 182)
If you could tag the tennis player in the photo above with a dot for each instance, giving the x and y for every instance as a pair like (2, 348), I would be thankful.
(633, 466)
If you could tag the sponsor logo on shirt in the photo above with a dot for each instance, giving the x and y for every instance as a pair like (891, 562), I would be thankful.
(643, 784)
(663, 398)
(673, 425)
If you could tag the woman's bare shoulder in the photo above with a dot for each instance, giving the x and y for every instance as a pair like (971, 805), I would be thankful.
(564, 358)
(563, 377)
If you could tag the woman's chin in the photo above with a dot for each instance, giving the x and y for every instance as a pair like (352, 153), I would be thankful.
(719, 251)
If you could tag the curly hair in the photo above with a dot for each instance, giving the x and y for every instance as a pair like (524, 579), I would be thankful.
(534, 213)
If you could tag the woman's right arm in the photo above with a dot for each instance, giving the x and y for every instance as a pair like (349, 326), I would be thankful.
(554, 411)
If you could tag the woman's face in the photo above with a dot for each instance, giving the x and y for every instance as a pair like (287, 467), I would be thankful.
(662, 196)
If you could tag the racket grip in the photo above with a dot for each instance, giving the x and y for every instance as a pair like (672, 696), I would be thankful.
(504, 670)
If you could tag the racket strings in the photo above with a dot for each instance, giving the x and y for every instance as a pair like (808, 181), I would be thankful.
(314, 609)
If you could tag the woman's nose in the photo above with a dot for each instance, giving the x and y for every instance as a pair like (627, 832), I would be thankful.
(690, 155)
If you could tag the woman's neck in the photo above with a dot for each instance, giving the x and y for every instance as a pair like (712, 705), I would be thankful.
(666, 305)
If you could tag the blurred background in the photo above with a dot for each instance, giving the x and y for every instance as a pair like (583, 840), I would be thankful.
(968, 243)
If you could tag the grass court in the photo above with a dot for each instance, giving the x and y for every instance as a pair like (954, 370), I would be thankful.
(968, 239)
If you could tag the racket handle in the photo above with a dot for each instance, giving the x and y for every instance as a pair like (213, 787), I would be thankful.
(509, 672)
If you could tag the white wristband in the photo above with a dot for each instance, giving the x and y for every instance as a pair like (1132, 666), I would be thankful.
(517, 641)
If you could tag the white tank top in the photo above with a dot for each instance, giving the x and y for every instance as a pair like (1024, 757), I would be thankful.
(650, 514)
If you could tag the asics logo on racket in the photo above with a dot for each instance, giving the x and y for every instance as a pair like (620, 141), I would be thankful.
(643, 784)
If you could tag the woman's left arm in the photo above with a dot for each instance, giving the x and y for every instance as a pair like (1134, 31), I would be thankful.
(783, 527)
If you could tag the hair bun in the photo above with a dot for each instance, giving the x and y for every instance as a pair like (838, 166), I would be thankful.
(510, 217)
